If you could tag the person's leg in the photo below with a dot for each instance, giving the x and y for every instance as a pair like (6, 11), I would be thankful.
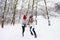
(23, 30)
(34, 33)
(31, 30)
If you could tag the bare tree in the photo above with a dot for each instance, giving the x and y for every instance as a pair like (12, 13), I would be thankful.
(36, 12)
(32, 6)
(28, 7)
(3, 14)
(47, 13)
(14, 12)
(20, 13)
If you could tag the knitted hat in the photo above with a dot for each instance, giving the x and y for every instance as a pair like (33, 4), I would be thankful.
(24, 17)
(31, 16)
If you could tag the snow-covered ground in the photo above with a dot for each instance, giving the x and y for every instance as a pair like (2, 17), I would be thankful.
(44, 32)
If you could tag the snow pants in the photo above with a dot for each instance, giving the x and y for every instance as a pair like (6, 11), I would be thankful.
(32, 31)
(23, 29)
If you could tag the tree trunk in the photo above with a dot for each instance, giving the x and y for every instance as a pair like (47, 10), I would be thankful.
(3, 14)
(20, 13)
(28, 7)
(36, 12)
(32, 7)
(15, 5)
(47, 13)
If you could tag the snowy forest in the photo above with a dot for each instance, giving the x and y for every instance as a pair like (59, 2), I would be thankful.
(46, 13)
(11, 10)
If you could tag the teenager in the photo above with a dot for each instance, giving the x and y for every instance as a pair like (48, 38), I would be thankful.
(23, 24)
(32, 25)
